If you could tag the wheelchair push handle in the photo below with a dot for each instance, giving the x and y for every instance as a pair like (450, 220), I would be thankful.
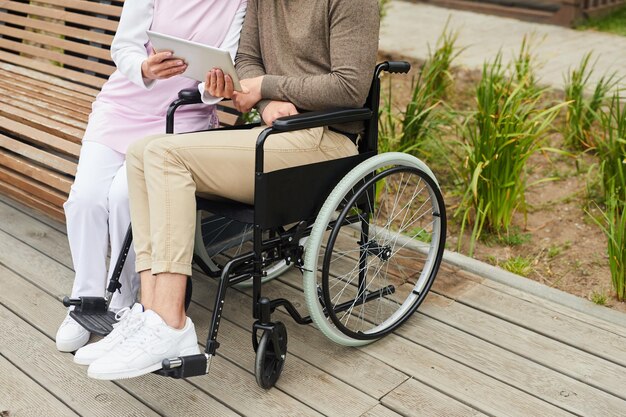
(397, 67)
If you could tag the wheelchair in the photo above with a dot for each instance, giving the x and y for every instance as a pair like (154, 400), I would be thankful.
(367, 232)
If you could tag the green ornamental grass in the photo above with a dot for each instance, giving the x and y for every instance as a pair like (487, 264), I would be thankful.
(418, 121)
(613, 224)
(506, 129)
(611, 148)
(583, 108)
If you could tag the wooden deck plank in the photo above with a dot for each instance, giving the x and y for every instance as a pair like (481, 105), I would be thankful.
(167, 396)
(559, 308)
(21, 396)
(249, 399)
(461, 366)
(413, 398)
(318, 388)
(37, 356)
(457, 380)
(565, 329)
(380, 410)
(539, 381)
(375, 378)
(350, 365)
(566, 359)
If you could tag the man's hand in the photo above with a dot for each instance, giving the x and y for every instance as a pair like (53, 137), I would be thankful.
(219, 84)
(250, 95)
(277, 109)
(160, 66)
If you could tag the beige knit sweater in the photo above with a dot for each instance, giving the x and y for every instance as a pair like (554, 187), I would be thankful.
(316, 54)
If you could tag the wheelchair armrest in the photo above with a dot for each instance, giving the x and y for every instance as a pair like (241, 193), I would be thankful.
(190, 96)
(320, 118)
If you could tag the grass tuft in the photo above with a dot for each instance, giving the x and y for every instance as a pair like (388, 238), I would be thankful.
(583, 109)
(508, 127)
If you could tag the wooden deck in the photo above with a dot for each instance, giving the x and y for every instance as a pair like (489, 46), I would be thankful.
(475, 348)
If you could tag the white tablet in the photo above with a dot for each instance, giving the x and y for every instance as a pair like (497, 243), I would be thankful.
(200, 59)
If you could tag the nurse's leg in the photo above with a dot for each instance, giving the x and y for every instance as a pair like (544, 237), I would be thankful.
(87, 215)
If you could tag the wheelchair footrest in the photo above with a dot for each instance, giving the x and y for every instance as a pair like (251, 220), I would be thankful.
(100, 323)
(186, 366)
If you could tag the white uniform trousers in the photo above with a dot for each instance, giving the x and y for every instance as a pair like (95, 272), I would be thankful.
(97, 214)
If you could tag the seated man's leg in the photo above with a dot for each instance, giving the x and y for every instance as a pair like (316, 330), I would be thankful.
(175, 168)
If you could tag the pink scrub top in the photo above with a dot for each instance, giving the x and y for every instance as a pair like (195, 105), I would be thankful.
(124, 112)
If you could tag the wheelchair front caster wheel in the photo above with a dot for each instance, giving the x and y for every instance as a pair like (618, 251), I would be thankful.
(270, 356)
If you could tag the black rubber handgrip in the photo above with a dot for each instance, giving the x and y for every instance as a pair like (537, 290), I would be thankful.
(398, 67)
(191, 94)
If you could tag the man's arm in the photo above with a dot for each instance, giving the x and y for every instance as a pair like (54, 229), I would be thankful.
(249, 62)
(354, 29)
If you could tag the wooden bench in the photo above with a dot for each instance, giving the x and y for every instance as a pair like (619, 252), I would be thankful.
(54, 58)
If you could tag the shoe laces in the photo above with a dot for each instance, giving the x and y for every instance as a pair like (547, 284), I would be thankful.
(127, 323)
(144, 337)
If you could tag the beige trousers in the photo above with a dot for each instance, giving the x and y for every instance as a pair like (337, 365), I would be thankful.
(166, 171)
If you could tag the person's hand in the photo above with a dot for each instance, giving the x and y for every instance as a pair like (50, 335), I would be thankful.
(277, 109)
(250, 95)
(160, 66)
(218, 84)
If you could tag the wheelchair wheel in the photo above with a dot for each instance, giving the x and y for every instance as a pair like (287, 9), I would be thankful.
(268, 365)
(375, 249)
(218, 238)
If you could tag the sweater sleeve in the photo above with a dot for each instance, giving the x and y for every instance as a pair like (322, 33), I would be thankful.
(230, 43)
(249, 61)
(354, 29)
(128, 49)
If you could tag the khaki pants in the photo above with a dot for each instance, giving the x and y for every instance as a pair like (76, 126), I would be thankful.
(166, 171)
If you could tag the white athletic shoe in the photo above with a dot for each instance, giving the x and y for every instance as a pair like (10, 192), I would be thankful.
(71, 335)
(129, 321)
(143, 351)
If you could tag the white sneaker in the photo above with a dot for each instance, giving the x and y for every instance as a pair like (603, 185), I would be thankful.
(129, 321)
(71, 335)
(143, 351)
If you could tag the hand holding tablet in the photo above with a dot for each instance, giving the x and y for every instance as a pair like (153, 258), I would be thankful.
(200, 59)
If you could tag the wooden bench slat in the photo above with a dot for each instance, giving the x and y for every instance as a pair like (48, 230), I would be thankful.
(54, 102)
(44, 139)
(29, 76)
(53, 92)
(34, 51)
(51, 27)
(45, 207)
(64, 73)
(42, 123)
(42, 109)
(32, 187)
(55, 13)
(39, 173)
(39, 137)
(57, 42)
(87, 6)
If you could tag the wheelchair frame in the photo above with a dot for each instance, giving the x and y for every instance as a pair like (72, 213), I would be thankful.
(280, 199)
